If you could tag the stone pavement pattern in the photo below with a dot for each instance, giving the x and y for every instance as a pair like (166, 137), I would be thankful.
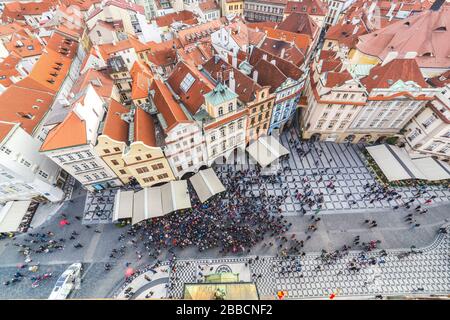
(99, 207)
(353, 175)
(429, 270)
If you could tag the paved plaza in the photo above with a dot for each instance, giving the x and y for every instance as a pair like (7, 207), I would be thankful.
(99, 207)
(391, 275)
(348, 167)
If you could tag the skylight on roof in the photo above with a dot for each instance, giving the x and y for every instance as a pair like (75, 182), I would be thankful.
(187, 82)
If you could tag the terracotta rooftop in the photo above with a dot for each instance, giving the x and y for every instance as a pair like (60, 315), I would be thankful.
(142, 79)
(426, 33)
(398, 69)
(302, 41)
(192, 98)
(101, 83)
(201, 31)
(162, 54)
(24, 46)
(299, 23)
(311, 7)
(144, 128)
(5, 128)
(8, 70)
(126, 5)
(166, 105)
(184, 16)
(196, 54)
(208, 5)
(269, 74)
(440, 81)
(69, 133)
(288, 69)
(114, 127)
(245, 87)
(284, 50)
(346, 33)
(17, 10)
(336, 79)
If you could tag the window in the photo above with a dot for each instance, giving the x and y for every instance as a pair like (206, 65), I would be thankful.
(320, 124)
(115, 162)
(104, 151)
(122, 171)
(240, 124)
(116, 149)
(43, 174)
(149, 179)
(138, 158)
(222, 132)
(445, 149)
(157, 166)
(99, 33)
(163, 176)
(142, 170)
(187, 82)
(429, 121)
(230, 107)
(220, 111)
(5, 150)
(148, 156)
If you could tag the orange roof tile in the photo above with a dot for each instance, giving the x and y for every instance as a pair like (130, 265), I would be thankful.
(299, 23)
(24, 46)
(142, 79)
(302, 41)
(193, 98)
(184, 16)
(69, 133)
(398, 69)
(5, 128)
(166, 105)
(101, 83)
(144, 128)
(24, 105)
(115, 127)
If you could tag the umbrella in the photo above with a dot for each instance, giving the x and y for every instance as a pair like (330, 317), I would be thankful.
(129, 272)
(63, 222)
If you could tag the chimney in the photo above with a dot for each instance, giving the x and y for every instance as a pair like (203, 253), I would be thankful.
(232, 81)
(264, 56)
(255, 75)
(234, 61)
(282, 53)
(273, 62)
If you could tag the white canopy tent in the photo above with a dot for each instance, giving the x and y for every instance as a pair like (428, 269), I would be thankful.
(11, 215)
(396, 164)
(123, 205)
(433, 169)
(266, 150)
(158, 201)
(206, 184)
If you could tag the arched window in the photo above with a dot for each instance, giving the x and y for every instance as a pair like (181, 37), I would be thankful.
(220, 111)
(230, 107)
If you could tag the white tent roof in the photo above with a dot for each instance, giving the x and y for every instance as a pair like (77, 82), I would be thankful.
(158, 201)
(433, 169)
(266, 150)
(123, 205)
(396, 164)
(11, 215)
(206, 184)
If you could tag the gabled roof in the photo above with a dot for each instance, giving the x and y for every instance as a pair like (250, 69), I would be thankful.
(245, 87)
(162, 54)
(426, 33)
(69, 133)
(24, 46)
(299, 23)
(166, 105)
(336, 79)
(115, 127)
(5, 128)
(17, 10)
(398, 69)
(126, 5)
(346, 33)
(269, 74)
(284, 50)
(101, 83)
(311, 7)
(208, 5)
(144, 128)
(142, 79)
(193, 97)
(183, 16)
(301, 41)
(24, 105)
(287, 68)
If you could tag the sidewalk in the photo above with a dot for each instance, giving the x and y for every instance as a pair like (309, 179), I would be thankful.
(44, 212)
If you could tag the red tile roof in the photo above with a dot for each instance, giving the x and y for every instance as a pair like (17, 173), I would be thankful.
(245, 87)
(193, 98)
(346, 33)
(115, 127)
(287, 68)
(5, 128)
(142, 79)
(69, 133)
(162, 54)
(269, 74)
(167, 106)
(17, 10)
(311, 7)
(144, 128)
(426, 33)
(208, 5)
(184, 16)
(299, 23)
(101, 83)
(398, 69)
(126, 5)
(290, 52)
(336, 79)
(24, 46)
(302, 41)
